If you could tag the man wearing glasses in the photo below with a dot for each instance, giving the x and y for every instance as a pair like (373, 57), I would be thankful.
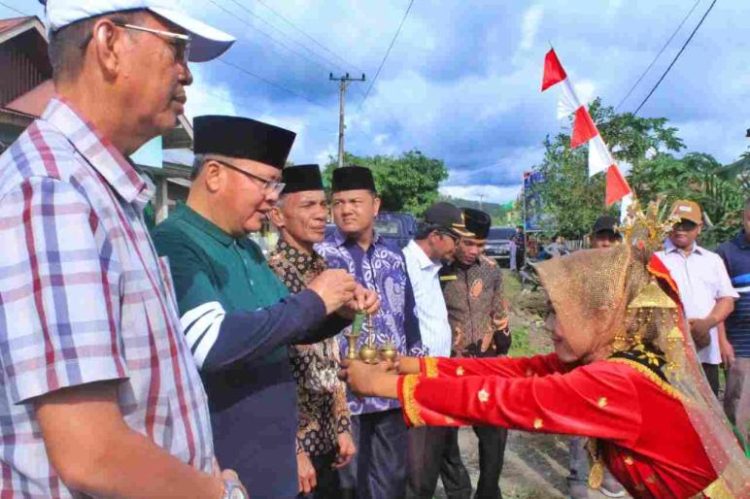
(100, 396)
(238, 317)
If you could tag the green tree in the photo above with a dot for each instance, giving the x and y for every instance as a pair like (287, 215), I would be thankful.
(407, 183)
(571, 198)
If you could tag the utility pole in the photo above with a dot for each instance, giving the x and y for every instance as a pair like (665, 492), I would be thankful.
(481, 198)
(343, 84)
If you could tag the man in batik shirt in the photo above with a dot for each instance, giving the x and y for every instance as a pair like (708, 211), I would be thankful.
(324, 441)
(473, 290)
(379, 469)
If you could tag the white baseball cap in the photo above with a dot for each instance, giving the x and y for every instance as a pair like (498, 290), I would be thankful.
(207, 42)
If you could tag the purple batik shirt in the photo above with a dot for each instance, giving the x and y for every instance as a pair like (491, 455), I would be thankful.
(381, 268)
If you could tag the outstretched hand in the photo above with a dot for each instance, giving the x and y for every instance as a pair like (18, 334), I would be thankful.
(370, 380)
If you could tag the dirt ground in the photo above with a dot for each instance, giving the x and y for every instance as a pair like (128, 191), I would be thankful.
(536, 465)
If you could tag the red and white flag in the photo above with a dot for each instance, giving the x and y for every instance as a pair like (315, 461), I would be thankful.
(584, 129)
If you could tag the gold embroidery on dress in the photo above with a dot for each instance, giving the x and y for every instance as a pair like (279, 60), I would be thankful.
(411, 407)
(431, 367)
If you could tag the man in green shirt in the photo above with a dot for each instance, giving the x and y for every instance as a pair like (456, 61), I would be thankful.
(238, 317)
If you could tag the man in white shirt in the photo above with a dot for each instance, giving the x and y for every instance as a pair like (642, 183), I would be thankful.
(705, 288)
(434, 243)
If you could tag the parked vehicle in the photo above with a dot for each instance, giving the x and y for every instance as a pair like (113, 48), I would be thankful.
(397, 227)
(498, 244)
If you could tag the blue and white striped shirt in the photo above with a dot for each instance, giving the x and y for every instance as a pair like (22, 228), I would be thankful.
(736, 256)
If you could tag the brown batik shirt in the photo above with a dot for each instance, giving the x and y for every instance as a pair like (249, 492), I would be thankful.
(476, 308)
(323, 410)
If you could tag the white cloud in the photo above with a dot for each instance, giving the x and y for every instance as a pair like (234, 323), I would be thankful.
(207, 98)
(485, 193)
(532, 18)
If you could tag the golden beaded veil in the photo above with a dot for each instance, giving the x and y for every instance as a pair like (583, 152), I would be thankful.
(625, 298)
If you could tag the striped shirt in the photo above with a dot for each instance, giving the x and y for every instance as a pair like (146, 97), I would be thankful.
(736, 256)
(84, 298)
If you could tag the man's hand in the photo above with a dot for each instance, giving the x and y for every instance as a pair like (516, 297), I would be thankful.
(335, 287)
(230, 475)
(700, 330)
(347, 449)
(365, 300)
(727, 353)
(305, 473)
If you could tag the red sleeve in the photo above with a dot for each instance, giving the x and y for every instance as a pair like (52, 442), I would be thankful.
(506, 367)
(598, 400)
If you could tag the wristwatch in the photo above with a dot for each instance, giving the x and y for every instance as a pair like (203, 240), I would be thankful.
(233, 489)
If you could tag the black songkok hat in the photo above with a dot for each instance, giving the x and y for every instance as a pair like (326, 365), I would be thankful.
(351, 178)
(477, 222)
(301, 178)
(605, 223)
(242, 138)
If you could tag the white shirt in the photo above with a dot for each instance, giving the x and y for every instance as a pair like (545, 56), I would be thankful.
(702, 279)
(430, 310)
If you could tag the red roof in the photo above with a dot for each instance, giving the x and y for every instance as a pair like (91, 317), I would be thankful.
(35, 101)
(8, 24)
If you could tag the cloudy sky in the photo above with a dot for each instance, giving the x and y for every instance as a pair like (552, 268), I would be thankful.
(462, 81)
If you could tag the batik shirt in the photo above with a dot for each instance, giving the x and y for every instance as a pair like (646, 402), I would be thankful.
(476, 308)
(84, 299)
(380, 268)
(321, 396)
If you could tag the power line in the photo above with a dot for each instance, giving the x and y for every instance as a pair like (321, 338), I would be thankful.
(658, 55)
(269, 82)
(387, 53)
(269, 36)
(15, 10)
(316, 42)
(275, 28)
(708, 11)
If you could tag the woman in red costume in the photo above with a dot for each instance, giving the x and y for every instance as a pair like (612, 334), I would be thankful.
(624, 373)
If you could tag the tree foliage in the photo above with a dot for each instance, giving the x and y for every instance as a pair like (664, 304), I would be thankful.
(572, 199)
(407, 183)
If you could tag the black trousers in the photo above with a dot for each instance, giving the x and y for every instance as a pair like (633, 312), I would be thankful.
(434, 453)
(712, 375)
(327, 477)
(378, 470)
(491, 456)
(520, 258)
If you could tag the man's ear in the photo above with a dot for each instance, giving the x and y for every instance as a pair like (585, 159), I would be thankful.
(376, 205)
(213, 176)
(107, 44)
(277, 217)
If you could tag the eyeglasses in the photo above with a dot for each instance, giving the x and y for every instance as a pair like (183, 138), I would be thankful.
(452, 237)
(179, 42)
(270, 186)
(685, 226)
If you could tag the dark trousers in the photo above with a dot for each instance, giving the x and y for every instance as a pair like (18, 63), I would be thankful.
(378, 470)
(434, 453)
(328, 484)
(712, 375)
(520, 258)
(491, 456)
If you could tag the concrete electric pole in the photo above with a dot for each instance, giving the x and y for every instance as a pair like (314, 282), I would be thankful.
(343, 84)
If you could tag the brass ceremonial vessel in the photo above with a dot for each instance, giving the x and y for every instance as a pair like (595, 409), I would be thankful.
(369, 352)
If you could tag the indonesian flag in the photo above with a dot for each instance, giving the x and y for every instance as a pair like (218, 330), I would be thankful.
(584, 129)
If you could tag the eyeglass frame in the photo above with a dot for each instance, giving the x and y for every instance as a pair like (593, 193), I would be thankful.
(186, 39)
(272, 186)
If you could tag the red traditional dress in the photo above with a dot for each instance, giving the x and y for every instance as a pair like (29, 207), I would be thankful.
(645, 435)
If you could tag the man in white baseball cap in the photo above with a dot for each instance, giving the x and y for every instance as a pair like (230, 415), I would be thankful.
(99, 395)
(206, 42)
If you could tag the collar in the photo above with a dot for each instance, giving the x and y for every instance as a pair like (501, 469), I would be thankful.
(669, 247)
(341, 240)
(118, 171)
(203, 224)
(302, 261)
(425, 262)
